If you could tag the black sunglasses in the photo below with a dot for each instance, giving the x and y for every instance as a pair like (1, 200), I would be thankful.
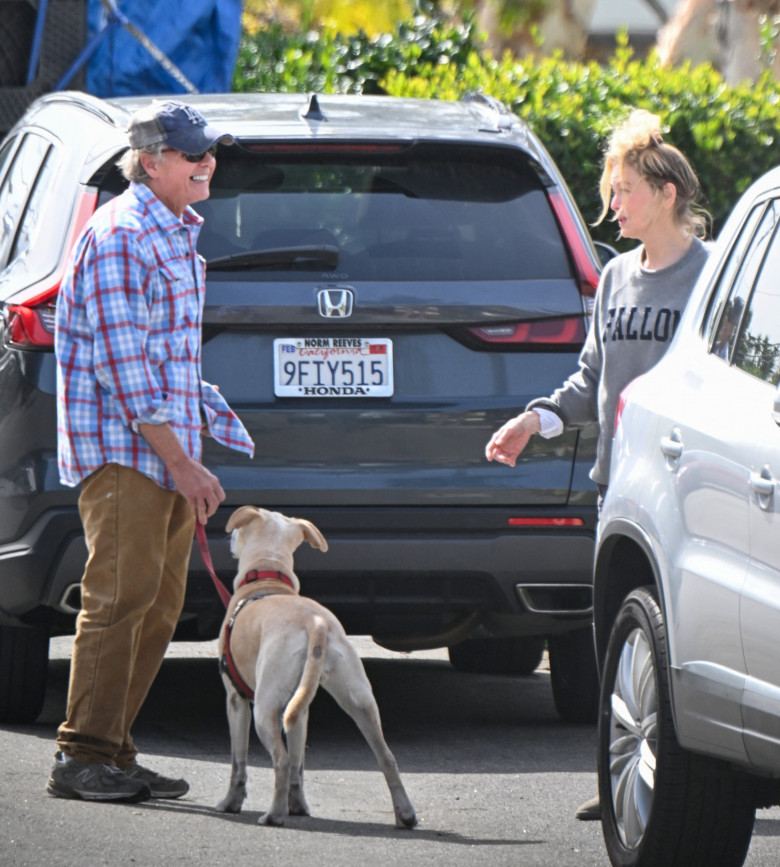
(195, 158)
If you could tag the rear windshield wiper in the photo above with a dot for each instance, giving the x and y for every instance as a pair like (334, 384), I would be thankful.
(327, 254)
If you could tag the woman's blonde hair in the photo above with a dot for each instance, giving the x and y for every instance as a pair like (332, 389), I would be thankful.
(638, 142)
(130, 162)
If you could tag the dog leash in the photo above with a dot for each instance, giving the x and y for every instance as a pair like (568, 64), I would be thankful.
(226, 663)
(203, 546)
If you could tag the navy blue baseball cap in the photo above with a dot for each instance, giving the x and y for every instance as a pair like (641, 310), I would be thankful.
(176, 125)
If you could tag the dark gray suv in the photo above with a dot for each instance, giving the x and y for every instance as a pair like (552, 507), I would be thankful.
(388, 281)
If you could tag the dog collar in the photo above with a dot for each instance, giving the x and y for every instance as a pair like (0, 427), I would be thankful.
(255, 575)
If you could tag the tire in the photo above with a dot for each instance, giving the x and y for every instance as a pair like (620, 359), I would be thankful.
(24, 664)
(517, 656)
(574, 675)
(662, 806)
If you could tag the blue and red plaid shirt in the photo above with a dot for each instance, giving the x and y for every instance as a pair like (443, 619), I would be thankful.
(128, 342)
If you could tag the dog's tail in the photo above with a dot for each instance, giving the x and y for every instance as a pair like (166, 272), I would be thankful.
(312, 672)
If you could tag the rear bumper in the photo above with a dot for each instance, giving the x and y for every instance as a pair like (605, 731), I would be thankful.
(387, 571)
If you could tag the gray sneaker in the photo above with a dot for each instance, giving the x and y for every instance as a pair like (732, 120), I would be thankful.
(92, 781)
(160, 786)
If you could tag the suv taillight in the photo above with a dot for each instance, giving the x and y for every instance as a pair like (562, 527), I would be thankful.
(569, 330)
(553, 334)
(564, 331)
(31, 326)
(587, 268)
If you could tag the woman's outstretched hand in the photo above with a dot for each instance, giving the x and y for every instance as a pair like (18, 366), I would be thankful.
(509, 440)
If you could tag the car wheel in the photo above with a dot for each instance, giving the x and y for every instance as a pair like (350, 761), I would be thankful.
(661, 805)
(24, 664)
(519, 656)
(574, 675)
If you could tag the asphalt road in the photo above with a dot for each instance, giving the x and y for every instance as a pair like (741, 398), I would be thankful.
(495, 776)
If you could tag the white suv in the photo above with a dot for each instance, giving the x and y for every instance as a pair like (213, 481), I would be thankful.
(687, 570)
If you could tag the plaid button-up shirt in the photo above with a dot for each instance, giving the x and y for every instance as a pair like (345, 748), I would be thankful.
(128, 342)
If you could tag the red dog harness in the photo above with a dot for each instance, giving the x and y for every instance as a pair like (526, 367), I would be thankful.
(227, 664)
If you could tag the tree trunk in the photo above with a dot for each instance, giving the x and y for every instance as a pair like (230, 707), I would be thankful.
(689, 35)
(562, 25)
(725, 33)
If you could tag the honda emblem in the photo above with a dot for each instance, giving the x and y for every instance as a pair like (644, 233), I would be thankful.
(335, 301)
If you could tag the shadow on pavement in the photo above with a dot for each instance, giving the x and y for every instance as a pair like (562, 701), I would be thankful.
(434, 718)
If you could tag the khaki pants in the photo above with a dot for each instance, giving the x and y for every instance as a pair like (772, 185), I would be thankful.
(139, 538)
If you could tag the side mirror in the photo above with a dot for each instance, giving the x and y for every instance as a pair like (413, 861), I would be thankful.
(776, 406)
(605, 252)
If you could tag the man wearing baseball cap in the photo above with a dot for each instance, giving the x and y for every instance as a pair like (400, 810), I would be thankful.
(131, 409)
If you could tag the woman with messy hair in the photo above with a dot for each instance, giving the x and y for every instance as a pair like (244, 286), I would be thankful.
(652, 190)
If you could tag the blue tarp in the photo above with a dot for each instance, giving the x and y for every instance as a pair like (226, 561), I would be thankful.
(199, 36)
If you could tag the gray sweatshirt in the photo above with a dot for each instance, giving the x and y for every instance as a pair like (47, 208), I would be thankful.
(636, 314)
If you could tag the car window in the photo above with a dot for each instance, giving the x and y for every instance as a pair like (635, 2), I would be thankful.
(20, 195)
(5, 153)
(420, 213)
(758, 344)
(737, 279)
(31, 214)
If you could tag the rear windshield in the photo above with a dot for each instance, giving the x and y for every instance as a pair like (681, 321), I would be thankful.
(380, 213)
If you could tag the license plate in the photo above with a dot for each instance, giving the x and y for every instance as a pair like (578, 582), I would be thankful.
(333, 367)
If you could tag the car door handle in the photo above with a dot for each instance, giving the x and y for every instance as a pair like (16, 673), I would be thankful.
(672, 448)
(763, 484)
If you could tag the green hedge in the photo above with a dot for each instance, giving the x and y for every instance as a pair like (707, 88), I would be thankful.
(327, 62)
(730, 134)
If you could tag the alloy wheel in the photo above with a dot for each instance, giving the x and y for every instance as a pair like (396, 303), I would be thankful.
(633, 735)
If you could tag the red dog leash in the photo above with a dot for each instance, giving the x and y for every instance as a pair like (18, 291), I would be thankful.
(200, 535)
(226, 664)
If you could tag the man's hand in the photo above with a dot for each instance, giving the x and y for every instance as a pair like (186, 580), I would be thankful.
(509, 440)
(199, 486)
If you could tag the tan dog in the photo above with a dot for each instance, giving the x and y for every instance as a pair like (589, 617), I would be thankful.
(284, 646)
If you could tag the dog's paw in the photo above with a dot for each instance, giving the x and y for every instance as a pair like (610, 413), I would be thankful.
(271, 820)
(298, 806)
(229, 805)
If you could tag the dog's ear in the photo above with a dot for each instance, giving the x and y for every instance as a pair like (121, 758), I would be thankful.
(242, 516)
(312, 535)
